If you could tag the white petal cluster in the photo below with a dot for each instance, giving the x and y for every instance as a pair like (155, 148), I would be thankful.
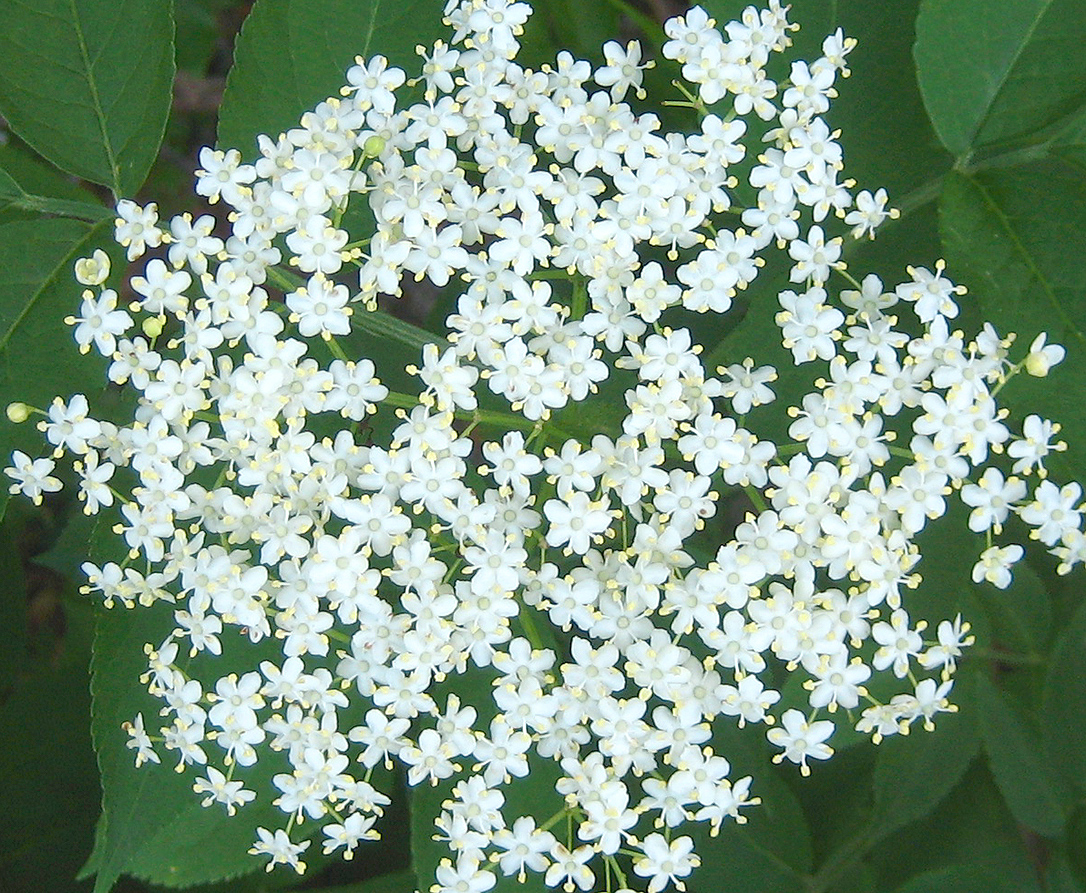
(557, 552)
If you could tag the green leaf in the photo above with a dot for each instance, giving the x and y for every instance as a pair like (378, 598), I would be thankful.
(88, 83)
(47, 769)
(992, 70)
(292, 54)
(38, 359)
(11, 193)
(887, 138)
(1074, 849)
(1021, 615)
(1016, 754)
(394, 882)
(1063, 710)
(197, 23)
(13, 610)
(580, 26)
(155, 827)
(914, 773)
(1060, 877)
(772, 851)
(1016, 237)
(971, 825)
(964, 879)
(38, 183)
(1069, 142)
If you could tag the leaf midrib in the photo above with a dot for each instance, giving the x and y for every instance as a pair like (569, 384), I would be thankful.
(96, 101)
(49, 279)
(1005, 76)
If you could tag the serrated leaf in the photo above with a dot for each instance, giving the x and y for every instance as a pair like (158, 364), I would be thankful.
(1016, 237)
(292, 54)
(155, 826)
(992, 70)
(1015, 751)
(88, 83)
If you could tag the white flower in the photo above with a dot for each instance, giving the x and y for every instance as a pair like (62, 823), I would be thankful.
(1041, 358)
(33, 477)
(801, 740)
(666, 862)
(279, 847)
(231, 794)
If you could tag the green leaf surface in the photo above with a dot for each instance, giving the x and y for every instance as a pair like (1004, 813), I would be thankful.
(1060, 877)
(47, 769)
(1021, 615)
(197, 23)
(914, 773)
(12, 194)
(1074, 849)
(992, 70)
(971, 825)
(1063, 708)
(38, 359)
(13, 608)
(155, 827)
(966, 878)
(579, 26)
(772, 851)
(292, 54)
(88, 83)
(394, 882)
(1016, 753)
(1016, 237)
(29, 184)
(1069, 142)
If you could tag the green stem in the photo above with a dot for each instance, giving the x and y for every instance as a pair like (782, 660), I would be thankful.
(286, 280)
(335, 349)
(384, 325)
(530, 628)
(493, 418)
(755, 496)
(580, 298)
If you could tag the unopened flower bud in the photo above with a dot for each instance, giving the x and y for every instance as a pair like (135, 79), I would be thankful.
(152, 327)
(93, 270)
(18, 413)
(373, 146)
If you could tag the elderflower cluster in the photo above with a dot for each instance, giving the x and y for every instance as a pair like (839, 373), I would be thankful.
(519, 527)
